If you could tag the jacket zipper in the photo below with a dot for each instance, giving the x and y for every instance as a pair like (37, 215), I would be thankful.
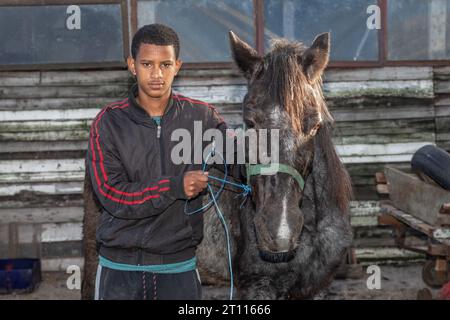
(161, 148)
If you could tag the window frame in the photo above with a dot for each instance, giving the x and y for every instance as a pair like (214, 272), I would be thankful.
(258, 18)
(129, 21)
(78, 65)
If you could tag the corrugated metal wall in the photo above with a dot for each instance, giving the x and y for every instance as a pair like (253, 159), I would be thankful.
(383, 116)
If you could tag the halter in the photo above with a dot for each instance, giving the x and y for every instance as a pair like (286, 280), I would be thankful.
(271, 169)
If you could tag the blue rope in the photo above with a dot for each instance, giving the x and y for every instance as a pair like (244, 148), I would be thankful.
(246, 190)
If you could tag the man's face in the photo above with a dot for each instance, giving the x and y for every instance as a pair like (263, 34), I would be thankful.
(155, 68)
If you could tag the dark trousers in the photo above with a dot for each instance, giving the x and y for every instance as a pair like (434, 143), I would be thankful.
(137, 285)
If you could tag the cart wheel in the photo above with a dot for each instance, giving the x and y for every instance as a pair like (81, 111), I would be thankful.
(431, 277)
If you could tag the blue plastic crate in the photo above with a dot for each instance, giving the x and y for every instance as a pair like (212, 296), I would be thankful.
(19, 275)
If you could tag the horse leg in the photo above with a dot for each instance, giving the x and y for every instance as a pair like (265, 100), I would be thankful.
(257, 288)
(321, 254)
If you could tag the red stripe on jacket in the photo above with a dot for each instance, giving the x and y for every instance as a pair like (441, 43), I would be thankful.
(123, 104)
(182, 98)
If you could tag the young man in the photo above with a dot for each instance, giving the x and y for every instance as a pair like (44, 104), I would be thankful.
(146, 241)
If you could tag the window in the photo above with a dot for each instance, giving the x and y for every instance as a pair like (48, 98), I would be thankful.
(202, 25)
(418, 30)
(351, 39)
(62, 35)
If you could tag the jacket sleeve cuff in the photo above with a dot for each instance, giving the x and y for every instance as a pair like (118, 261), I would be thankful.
(177, 186)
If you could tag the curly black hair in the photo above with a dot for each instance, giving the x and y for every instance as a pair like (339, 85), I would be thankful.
(157, 34)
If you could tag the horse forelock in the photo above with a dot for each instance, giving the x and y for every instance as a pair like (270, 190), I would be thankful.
(289, 86)
(301, 98)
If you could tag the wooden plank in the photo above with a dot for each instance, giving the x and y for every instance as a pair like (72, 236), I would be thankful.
(71, 231)
(414, 196)
(385, 127)
(443, 137)
(389, 138)
(41, 146)
(379, 149)
(73, 135)
(383, 113)
(34, 126)
(30, 200)
(385, 255)
(382, 189)
(441, 71)
(380, 178)
(19, 78)
(442, 86)
(18, 104)
(443, 111)
(385, 73)
(42, 215)
(370, 221)
(409, 88)
(64, 114)
(38, 92)
(11, 178)
(61, 264)
(65, 249)
(46, 165)
(440, 234)
(86, 78)
(445, 209)
(209, 73)
(208, 81)
(214, 94)
(41, 188)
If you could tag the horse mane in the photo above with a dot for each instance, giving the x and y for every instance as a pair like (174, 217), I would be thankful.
(338, 178)
(303, 99)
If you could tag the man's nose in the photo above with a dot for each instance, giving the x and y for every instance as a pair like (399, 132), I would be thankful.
(157, 72)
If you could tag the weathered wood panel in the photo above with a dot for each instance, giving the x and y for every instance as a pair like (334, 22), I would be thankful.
(383, 116)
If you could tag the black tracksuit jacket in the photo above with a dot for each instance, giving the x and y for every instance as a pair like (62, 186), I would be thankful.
(140, 189)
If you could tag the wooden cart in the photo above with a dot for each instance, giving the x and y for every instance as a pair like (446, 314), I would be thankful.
(413, 204)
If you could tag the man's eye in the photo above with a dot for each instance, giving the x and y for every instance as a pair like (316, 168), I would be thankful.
(146, 65)
(167, 65)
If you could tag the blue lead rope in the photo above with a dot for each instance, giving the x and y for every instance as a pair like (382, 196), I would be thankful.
(246, 191)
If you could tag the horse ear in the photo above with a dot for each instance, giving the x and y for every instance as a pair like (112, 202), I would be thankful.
(315, 58)
(244, 55)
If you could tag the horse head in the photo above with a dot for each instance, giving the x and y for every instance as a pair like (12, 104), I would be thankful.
(284, 93)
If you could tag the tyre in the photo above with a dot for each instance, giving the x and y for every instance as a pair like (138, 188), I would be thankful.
(434, 163)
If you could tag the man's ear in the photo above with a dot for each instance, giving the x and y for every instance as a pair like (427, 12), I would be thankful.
(244, 55)
(315, 59)
(131, 66)
(178, 64)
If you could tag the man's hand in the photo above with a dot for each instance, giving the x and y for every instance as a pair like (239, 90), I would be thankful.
(195, 182)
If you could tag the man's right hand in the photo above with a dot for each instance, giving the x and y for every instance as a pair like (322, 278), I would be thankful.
(195, 182)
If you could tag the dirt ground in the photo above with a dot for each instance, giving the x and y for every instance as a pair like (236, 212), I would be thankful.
(397, 283)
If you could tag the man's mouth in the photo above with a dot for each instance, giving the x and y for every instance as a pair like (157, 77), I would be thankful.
(155, 85)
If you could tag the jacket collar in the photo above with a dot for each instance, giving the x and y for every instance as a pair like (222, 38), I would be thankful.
(138, 112)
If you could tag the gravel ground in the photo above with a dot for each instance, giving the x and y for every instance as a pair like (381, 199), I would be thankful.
(397, 283)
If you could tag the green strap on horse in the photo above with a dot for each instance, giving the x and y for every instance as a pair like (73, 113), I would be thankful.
(271, 169)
